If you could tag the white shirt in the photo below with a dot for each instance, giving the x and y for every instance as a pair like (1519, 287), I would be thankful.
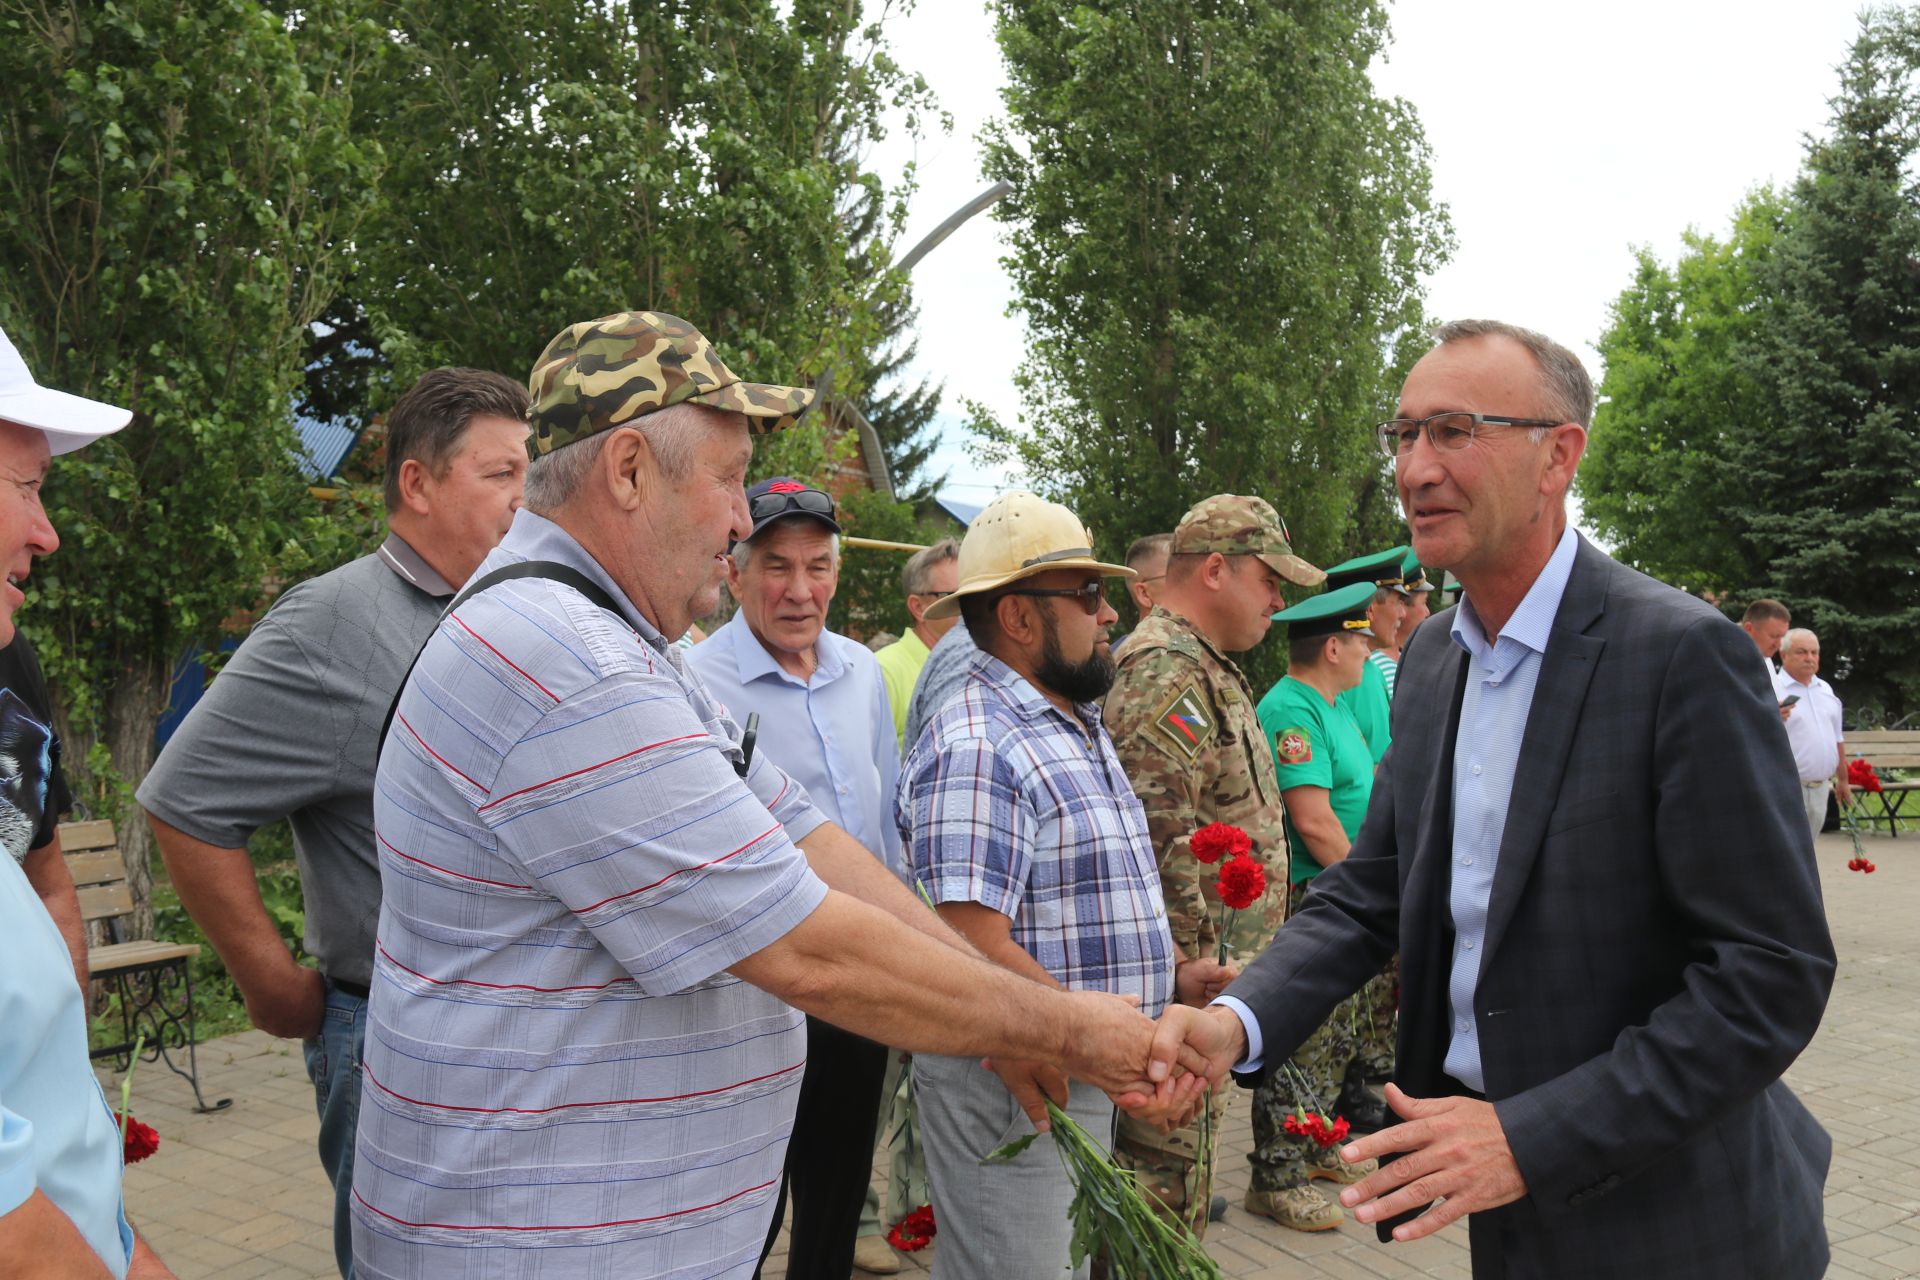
(1814, 727)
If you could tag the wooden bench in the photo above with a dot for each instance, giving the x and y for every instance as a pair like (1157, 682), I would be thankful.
(1887, 749)
(151, 979)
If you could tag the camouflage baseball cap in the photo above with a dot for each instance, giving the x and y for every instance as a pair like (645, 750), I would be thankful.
(605, 373)
(1235, 525)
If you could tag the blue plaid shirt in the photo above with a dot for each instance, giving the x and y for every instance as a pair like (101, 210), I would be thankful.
(1008, 802)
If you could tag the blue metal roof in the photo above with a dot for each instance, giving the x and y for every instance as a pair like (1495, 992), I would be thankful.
(962, 511)
(323, 446)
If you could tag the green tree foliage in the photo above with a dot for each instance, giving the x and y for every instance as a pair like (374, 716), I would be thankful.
(176, 184)
(1217, 235)
(554, 161)
(1679, 392)
(1761, 434)
(1830, 495)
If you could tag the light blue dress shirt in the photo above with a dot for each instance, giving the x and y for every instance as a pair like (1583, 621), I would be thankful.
(832, 734)
(56, 1132)
(1493, 720)
(1501, 676)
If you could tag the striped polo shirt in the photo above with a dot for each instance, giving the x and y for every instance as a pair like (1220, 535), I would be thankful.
(561, 1078)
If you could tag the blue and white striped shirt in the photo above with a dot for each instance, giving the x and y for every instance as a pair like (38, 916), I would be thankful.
(561, 1077)
(1493, 719)
(1008, 802)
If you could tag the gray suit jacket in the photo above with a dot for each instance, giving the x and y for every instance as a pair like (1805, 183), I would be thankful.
(1656, 954)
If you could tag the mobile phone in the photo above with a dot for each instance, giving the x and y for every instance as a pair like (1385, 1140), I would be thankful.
(747, 739)
(1790, 699)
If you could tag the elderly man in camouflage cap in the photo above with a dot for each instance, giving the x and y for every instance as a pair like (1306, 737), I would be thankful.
(1182, 717)
(598, 931)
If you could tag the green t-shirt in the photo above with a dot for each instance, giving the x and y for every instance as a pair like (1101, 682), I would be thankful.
(1316, 745)
(1370, 704)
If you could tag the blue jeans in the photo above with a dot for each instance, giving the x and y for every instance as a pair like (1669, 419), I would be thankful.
(333, 1064)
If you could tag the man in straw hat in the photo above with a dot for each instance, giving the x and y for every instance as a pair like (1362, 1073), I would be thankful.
(1021, 828)
(597, 931)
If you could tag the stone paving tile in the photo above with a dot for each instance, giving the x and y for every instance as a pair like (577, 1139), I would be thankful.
(239, 1194)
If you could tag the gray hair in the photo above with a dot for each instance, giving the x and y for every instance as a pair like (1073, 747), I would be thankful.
(918, 574)
(555, 478)
(1795, 638)
(742, 552)
(1563, 379)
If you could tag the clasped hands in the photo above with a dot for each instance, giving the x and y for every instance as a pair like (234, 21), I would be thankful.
(1166, 1084)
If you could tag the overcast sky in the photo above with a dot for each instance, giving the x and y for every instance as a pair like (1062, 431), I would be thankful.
(1562, 136)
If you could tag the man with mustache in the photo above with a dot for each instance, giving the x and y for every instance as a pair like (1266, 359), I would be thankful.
(601, 922)
(1021, 828)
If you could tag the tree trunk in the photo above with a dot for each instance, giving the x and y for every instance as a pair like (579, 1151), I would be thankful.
(133, 707)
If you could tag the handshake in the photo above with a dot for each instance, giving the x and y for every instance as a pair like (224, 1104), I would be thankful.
(1156, 1070)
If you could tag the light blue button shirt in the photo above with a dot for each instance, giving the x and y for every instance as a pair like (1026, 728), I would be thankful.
(56, 1133)
(832, 734)
(1501, 676)
(1493, 720)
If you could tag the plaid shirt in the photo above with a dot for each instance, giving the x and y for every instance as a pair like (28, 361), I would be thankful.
(1007, 802)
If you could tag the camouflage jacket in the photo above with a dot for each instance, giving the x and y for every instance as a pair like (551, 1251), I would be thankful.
(1182, 719)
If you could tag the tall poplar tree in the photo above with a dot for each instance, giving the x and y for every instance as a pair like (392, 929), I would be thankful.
(1218, 231)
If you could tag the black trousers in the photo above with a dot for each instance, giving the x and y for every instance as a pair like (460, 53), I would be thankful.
(830, 1156)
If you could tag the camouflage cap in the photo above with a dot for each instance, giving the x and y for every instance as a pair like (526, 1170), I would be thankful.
(1235, 525)
(605, 373)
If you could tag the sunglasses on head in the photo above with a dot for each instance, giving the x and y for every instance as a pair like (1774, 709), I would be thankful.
(1091, 595)
(783, 502)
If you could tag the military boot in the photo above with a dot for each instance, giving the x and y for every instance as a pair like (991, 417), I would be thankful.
(1303, 1208)
(1326, 1163)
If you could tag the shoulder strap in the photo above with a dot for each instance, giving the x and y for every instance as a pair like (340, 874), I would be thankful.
(551, 570)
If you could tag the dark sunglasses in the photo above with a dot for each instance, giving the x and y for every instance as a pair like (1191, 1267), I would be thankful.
(811, 501)
(1091, 596)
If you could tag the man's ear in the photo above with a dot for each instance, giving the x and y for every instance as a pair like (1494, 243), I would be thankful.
(916, 609)
(1018, 622)
(413, 486)
(1565, 447)
(628, 469)
(1215, 571)
(733, 576)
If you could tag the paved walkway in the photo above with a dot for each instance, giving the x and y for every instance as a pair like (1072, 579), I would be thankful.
(240, 1194)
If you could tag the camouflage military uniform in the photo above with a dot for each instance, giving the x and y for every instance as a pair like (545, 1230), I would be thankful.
(1181, 715)
(1311, 1081)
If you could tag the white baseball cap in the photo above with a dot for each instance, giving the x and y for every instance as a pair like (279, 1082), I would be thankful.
(69, 422)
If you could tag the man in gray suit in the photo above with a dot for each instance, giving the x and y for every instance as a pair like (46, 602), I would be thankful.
(1584, 845)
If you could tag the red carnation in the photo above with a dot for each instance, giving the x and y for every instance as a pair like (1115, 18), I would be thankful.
(913, 1232)
(1217, 840)
(1860, 774)
(1316, 1126)
(139, 1141)
(1241, 882)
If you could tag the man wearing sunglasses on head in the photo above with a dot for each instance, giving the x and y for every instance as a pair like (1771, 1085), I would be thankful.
(1022, 829)
(826, 722)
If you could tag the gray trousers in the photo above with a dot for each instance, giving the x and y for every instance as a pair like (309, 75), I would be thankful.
(997, 1221)
(1814, 796)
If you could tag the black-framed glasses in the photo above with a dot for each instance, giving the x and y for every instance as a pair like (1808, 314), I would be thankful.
(1090, 595)
(782, 502)
(1447, 432)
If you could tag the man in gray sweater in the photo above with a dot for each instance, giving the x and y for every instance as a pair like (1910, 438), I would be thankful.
(291, 729)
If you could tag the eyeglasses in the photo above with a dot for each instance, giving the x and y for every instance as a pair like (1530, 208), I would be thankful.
(1447, 432)
(780, 502)
(1091, 596)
